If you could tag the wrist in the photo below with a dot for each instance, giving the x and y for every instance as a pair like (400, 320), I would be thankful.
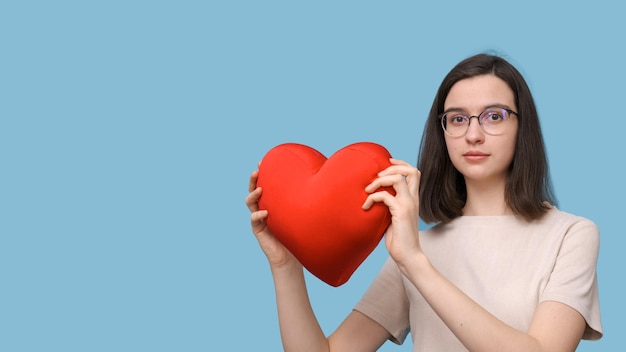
(288, 277)
(418, 266)
(288, 267)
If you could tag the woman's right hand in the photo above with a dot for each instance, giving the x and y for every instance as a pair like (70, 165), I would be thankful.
(277, 254)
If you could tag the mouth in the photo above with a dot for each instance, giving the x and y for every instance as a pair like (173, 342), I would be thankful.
(475, 156)
(474, 153)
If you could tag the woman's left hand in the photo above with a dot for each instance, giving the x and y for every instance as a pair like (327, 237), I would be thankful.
(401, 238)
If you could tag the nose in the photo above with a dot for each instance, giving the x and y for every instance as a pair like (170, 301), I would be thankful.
(475, 133)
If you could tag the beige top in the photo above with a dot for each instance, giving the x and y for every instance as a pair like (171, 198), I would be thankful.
(505, 264)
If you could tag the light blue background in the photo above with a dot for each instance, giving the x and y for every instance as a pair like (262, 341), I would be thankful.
(128, 130)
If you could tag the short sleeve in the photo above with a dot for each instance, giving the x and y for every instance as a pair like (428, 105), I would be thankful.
(573, 280)
(386, 302)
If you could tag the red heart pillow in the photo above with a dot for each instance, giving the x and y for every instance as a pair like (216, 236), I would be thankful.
(314, 205)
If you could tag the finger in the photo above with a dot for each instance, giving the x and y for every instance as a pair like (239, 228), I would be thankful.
(382, 196)
(410, 173)
(398, 162)
(400, 186)
(403, 169)
(396, 181)
(253, 178)
(413, 182)
(386, 180)
(252, 199)
(257, 220)
(258, 216)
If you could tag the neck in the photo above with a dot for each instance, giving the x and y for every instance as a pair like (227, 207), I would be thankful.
(485, 199)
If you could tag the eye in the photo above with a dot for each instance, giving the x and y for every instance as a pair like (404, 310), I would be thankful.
(494, 116)
(457, 119)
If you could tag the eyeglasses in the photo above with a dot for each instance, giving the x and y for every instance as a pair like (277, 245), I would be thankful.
(493, 121)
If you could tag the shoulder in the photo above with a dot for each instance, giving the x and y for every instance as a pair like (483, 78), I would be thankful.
(558, 218)
(576, 231)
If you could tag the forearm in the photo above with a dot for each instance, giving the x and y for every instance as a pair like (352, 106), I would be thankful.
(474, 326)
(299, 328)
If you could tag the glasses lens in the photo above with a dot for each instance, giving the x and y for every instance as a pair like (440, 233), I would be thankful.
(493, 120)
(454, 123)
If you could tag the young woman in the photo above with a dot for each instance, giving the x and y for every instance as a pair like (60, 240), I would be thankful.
(502, 269)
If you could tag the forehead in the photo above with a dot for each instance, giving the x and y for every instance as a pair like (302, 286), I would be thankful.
(477, 93)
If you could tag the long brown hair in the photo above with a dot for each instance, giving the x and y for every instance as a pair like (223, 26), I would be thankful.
(528, 189)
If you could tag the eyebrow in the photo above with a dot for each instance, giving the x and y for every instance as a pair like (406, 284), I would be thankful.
(500, 106)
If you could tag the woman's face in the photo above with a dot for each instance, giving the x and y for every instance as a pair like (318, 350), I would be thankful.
(479, 156)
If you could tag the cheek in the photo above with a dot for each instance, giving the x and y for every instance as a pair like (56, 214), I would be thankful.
(449, 147)
(453, 154)
(508, 150)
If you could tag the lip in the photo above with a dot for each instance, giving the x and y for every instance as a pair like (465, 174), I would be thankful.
(474, 155)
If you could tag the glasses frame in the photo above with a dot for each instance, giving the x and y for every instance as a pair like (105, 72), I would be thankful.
(469, 120)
